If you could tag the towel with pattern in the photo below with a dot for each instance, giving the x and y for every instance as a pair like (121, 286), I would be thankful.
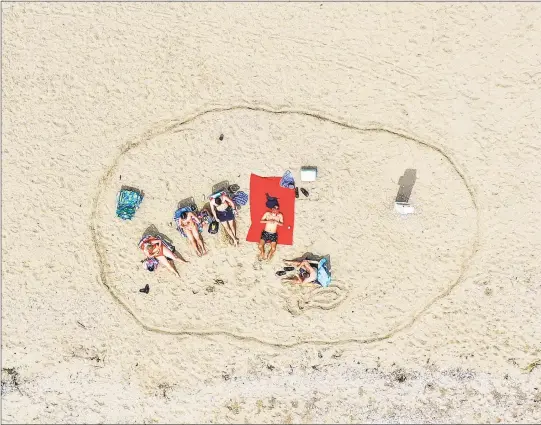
(128, 201)
(240, 198)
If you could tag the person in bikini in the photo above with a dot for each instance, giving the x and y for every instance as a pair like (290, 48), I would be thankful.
(272, 219)
(307, 273)
(224, 209)
(158, 253)
(189, 223)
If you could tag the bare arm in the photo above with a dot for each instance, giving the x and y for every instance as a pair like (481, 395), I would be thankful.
(193, 217)
(264, 218)
(229, 201)
(213, 210)
(280, 220)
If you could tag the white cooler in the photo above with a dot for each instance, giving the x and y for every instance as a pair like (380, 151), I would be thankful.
(308, 174)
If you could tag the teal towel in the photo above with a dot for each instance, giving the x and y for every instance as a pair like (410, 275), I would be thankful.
(128, 202)
(323, 273)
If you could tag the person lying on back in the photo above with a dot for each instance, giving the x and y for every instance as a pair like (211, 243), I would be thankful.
(223, 209)
(272, 220)
(189, 223)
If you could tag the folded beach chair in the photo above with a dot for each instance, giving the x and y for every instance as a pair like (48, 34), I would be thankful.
(221, 187)
(128, 201)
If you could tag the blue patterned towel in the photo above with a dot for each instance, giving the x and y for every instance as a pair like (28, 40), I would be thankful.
(180, 211)
(240, 198)
(128, 201)
(287, 180)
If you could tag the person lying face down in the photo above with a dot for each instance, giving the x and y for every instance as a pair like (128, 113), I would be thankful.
(189, 222)
(223, 209)
(272, 220)
(305, 273)
(157, 253)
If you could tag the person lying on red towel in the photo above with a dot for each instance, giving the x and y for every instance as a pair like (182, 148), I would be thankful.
(272, 220)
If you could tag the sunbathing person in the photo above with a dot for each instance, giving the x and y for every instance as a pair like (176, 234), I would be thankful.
(189, 223)
(158, 253)
(272, 220)
(223, 209)
(306, 274)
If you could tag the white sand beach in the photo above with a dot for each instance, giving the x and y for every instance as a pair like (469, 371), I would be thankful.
(431, 317)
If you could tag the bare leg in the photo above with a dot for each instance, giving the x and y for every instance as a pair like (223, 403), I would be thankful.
(170, 254)
(199, 241)
(193, 242)
(229, 230)
(261, 247)
(169, 264)
(272, 250)
(233, 224)
(293, 263)
(293, 279)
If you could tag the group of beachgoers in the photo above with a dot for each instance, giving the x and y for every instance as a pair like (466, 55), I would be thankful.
(224, 210)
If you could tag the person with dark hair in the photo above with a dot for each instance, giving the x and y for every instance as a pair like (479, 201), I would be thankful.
(189, 223)
(223, 209)
(272, 219)
(158, 253)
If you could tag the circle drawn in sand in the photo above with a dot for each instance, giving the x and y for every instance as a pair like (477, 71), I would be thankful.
(387, 269)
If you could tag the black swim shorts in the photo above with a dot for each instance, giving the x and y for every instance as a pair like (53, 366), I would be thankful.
(269, 237)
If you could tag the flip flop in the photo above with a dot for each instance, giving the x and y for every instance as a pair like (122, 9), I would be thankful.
(304, 191)
(280, 273)
(289, 268)
(219, 282)
(145, 289)
(233, 188)
(296, 192)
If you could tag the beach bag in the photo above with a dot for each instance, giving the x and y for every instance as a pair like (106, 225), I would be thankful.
(323, 273)
(287, 180)
(213, 227)
(240, 198)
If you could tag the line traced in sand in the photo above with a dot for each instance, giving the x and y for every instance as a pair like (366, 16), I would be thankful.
(176, 126)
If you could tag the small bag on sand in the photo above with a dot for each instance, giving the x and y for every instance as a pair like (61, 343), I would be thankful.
(213, 227)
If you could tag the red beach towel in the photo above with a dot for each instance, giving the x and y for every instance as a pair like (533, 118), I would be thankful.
(259, 187)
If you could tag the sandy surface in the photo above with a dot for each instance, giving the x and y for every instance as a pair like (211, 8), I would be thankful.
(433, 317)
